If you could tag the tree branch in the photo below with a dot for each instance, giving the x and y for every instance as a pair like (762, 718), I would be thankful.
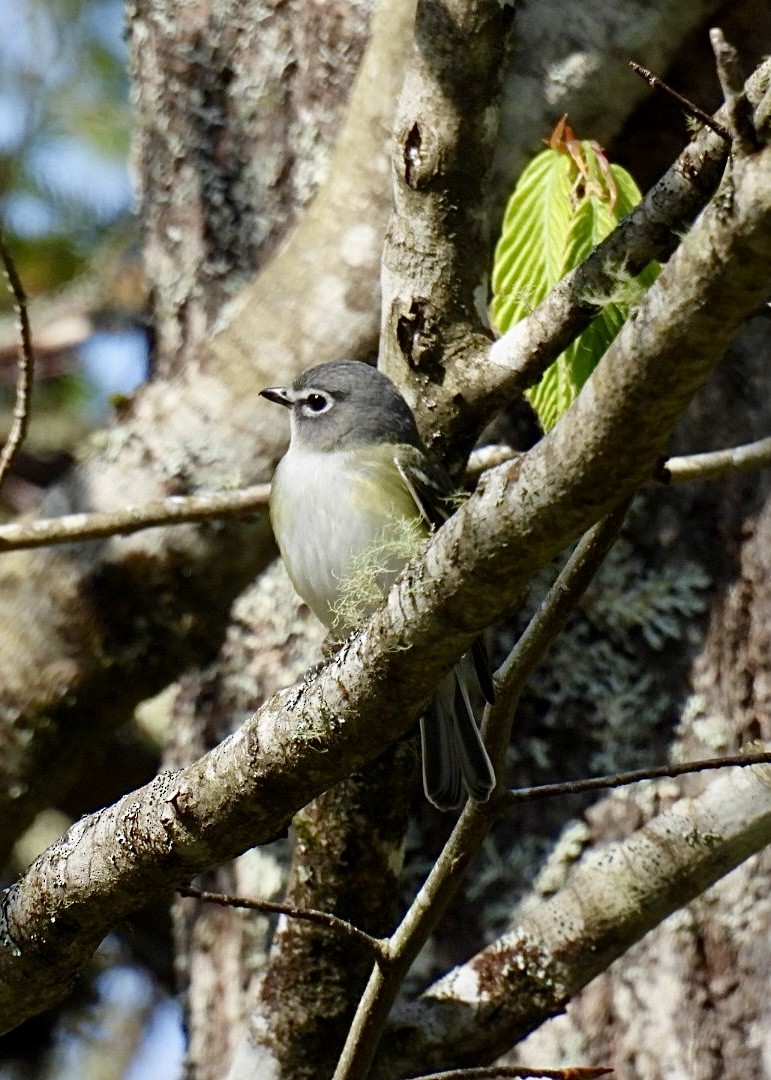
(613, 898)
(632, 776)
(717, 463)
(738, 108)
(371, 945)
(176, 510)
(690, 108)
(244, 791)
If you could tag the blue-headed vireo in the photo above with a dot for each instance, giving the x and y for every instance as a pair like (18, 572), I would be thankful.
(355, 479)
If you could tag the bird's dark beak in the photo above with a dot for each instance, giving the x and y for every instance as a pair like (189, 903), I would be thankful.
(282, 395)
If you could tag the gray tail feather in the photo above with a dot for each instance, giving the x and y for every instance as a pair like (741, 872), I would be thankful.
(454, 756)
(482, 670)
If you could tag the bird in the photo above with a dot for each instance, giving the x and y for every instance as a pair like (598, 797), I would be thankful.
(356, 481)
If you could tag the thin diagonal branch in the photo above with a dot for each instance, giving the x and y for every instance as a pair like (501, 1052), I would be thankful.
(25, 367)
(693, 110)
(475, 821)
(546, 623)
(632, 776)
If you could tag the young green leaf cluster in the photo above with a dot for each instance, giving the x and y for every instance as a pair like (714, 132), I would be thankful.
(567, 200)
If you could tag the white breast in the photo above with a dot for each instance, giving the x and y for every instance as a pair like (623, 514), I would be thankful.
(325, 511)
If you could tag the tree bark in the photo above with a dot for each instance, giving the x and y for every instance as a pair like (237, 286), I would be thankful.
(90, 632)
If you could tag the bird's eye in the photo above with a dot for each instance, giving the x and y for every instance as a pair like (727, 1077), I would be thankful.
(316, 403)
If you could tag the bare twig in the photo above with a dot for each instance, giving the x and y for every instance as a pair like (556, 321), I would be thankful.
(176, 510)
(717, 463)
(373, 945)
(25, 368)
(656, 83)
(494, 1072)
(633, 776)
(743, 135)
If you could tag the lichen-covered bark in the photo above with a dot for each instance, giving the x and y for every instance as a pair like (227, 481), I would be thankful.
(92, 634)
(347, 859)
(232, 140)
(89, 631)
(472, 571)
(691, 999)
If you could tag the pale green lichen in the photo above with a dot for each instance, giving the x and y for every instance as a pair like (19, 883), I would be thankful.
(658, 602)
(623, 290)
(362, 591)
(600, 669)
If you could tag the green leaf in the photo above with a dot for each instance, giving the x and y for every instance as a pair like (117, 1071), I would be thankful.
(528, 257)
(556, 216)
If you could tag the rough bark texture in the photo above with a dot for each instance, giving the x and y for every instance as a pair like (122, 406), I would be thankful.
(437, 252)
(691, 1000)
(346, 865)
(233, 137)
(91, 630)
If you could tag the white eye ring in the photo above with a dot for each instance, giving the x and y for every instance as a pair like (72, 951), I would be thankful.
(316, 403)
